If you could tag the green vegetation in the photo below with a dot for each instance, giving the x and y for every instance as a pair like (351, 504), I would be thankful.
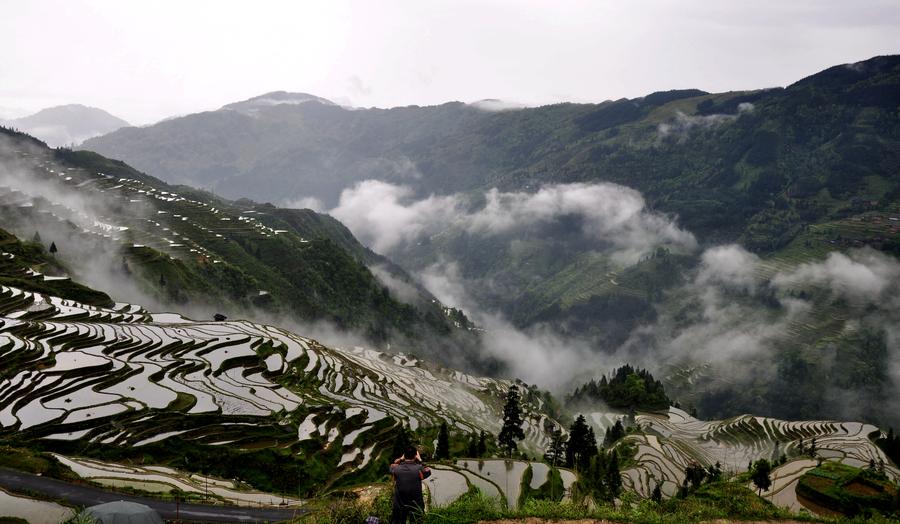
(581, 445)
(552, 490)
(761, 475)
(626, 388)
(511, 432)
(720, 500)
(30, 461)
(34, 256)
(249, 259)
(848, 490)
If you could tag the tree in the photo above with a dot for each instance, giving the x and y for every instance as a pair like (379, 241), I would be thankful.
(512, 422)
(761, 475)
(162, 280)
(695, 473)
(472, 450)
(557, 450)
(656, 496)
(581, 445)
(812, 448)
(613, 434)
(482, 444)
(36, 238)
(442, 451)
(613, 476)
(53, 249)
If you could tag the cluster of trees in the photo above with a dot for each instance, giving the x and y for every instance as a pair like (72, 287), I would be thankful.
(599, 477)
(602, 479)
(626, 388)
(694, 476)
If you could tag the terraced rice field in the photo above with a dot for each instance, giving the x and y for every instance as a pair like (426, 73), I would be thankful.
(673, 440)
(32, 510)
(497, 478)
(125, 377)
(163, 480)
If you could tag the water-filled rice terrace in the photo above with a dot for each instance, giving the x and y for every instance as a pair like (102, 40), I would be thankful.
(125, 377)
(673, 440)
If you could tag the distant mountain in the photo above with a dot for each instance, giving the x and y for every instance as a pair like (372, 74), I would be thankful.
(252, 105)
(67, 125)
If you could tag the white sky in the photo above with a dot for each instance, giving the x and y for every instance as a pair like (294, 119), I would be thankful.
(144, 61)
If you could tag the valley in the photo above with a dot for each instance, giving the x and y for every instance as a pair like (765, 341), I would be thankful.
(310, 287)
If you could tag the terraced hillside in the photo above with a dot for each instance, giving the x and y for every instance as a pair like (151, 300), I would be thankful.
(122, 382)
(673, 440)
(116, 227)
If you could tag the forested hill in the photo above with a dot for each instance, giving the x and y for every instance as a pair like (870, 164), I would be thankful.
(135, 237)
(756, 164)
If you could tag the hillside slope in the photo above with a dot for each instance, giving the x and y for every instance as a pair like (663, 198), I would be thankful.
(752, 164)
(753, 203)
(236, 399)
(143, 240)
(257, 404)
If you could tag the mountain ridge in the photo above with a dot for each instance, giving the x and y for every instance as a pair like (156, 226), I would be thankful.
(68, 124)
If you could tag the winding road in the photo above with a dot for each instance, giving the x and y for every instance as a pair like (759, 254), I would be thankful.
(79, 495)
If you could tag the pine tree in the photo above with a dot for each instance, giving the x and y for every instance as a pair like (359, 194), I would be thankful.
(442, 451)
(613, 434)
(577, 445)
(557, 447)
(613, 476)
(512, 422)
(482, 444)
(162, 280)
(36, 238)
(53, 249)
(593, 478)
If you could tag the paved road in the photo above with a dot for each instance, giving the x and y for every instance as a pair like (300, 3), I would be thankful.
(80, 495)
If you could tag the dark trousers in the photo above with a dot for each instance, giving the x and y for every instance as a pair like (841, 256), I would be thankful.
(411, 509)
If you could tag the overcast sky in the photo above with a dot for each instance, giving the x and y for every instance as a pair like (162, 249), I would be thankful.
(145, 61)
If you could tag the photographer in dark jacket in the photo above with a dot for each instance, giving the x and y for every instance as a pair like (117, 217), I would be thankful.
(408, 473)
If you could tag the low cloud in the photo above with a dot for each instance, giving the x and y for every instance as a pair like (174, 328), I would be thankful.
(722, 329)
(401, 289)
(729, 265)
(384, 215)
(864, 275)
(493, 105)
(537, 354)
(387, 216)
(307, 202)
(682, 124)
